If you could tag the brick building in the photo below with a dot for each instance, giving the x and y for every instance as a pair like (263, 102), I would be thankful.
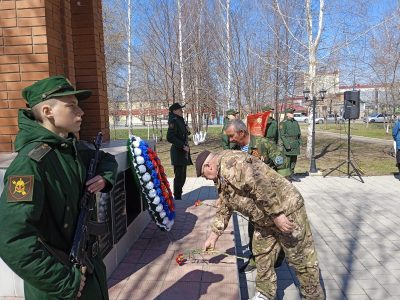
(41, 38)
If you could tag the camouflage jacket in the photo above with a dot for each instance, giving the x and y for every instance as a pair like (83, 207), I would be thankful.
(271, 154)
(246, 185)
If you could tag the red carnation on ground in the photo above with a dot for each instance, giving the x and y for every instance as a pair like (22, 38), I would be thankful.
(180, 259)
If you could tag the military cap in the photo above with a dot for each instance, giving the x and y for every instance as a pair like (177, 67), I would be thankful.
(289, 110)
(266, 108)
(52, 87)
(201, 158)
(231, 112)
(175, 106)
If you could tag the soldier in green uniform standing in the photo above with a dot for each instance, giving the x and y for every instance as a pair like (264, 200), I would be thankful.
(39, 206)
(231, 114)
(291, 137)
(272, 126)
(271, 155)
(178, 135)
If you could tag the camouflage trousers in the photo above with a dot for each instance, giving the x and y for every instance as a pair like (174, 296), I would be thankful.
(300, 254)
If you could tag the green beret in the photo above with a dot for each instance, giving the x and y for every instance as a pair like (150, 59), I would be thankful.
(231, 112)
(289, 110)
(51, 87)
(266, 108)
(175, 106)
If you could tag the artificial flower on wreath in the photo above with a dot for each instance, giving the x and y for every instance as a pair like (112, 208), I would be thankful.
(153, 182)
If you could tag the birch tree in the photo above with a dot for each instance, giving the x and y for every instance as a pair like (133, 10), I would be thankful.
(228, 54)
(128, 81)
(313, 43)
(179, 7)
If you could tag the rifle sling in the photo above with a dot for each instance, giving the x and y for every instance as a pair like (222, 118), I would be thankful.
(57, 253)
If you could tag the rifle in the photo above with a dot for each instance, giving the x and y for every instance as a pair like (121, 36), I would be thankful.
(85, 240)
(187, 135)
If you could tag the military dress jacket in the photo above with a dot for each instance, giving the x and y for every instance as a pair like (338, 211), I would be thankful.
(271, 154)
(178, 136)
(272, 130)
(246, 185)
(291, 136)
(39, 208)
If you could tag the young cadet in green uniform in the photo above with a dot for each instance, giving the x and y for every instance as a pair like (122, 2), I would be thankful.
(231, 114)
(272, 126)
(39, 206)
(178, 135)
(290, 135)
(267, 152)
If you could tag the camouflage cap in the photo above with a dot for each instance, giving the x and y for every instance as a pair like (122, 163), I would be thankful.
(176, 106)
(51, 87)
(267, 108)
(289, 110)
(231, 112)
(201, 158)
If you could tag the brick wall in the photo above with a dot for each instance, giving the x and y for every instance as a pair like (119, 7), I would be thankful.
(41, 38)
(88, 41)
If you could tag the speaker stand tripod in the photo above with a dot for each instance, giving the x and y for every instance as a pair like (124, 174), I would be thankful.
(348, 160)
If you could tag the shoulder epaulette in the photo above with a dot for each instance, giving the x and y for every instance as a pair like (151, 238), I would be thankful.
(39, 152)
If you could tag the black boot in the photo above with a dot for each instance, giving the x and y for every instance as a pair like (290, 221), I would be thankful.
(294, 178)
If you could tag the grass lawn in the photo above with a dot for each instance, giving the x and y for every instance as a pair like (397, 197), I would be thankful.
(360, 129)
(371, 159)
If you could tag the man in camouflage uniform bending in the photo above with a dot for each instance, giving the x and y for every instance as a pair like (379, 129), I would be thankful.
(276, 209)
(270, 154)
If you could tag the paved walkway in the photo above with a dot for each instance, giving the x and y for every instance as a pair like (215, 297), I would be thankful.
(150, 271)
(355, 227)
(354, 138)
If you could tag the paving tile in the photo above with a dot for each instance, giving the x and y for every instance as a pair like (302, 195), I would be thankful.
(378, 294)
(330, 284)
(288, 294)
(369, 284)
(185, 273)
(357, 297)
(392, 289)
(218, 291)
(358, 252)
(115, 287)
(124, 270)
(147, 272)
(133, 256)
(179, 290)
(140, 244)
(140, 290)
(334, 294)
(387, 279)
(219, 273)
(157, 256)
